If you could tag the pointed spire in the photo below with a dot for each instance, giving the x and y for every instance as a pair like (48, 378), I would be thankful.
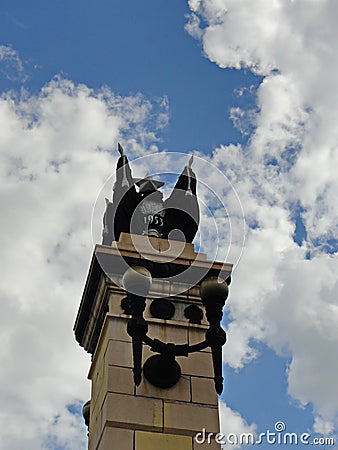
(120, 149)
(190, 161)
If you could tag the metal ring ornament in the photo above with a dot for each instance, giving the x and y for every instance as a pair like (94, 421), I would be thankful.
(162, 370)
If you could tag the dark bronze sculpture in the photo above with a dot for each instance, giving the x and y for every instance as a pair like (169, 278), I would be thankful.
(144, 211)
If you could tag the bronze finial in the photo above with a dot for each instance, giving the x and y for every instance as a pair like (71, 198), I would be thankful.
(120, 149)
(190, 161)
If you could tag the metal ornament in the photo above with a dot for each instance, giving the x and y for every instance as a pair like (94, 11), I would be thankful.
(194, 314)
(162, 308)
(162, 370)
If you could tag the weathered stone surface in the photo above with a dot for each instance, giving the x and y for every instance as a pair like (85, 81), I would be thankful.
(161, 441)
(181, 391)
(119, 353)
(120, 380)
(203, 391)
(197, 364)
(116, 439)
(129, 411)
(189, 418)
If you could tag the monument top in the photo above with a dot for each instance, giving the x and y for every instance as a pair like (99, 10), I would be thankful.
(137, 206)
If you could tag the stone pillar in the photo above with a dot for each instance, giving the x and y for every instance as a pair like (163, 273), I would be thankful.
(126, 417)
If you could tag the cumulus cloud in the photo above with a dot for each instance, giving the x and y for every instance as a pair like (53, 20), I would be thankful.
(296, 101)
(56, 150)
(233, 426)
(284, 292)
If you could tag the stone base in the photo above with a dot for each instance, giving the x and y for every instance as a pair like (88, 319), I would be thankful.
(123, 416)
(126, 417)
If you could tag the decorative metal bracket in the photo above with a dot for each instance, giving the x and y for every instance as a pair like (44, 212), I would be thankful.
(162, 370)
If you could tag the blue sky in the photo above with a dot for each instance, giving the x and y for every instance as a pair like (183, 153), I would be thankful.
(249, 86)
(131, 48)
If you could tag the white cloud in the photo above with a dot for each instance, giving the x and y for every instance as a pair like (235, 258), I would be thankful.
(279, 295)
(323, 427)
(56, 150)
(297, 105)
(193, 26)
(11, 65)
(233, 426)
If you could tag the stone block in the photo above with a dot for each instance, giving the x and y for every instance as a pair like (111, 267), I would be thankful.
(111, 378)
(189, 418)
(179, 311)
(166, 332)
(180, 306)
(197, 364)
(179, 290)
(161, 441)
(196, 334)
(116, 439)
(129, 411)
(138, 244)
(117, 328)
(159, 288)
(119, 353)
(203, 391)
(99, 389)
(194, 294)
(181, 391)
(95, 430)
(114, 302)
(120, 380)
(176, 249)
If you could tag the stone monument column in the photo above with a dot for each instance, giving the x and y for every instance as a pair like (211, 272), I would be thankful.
(123, 416)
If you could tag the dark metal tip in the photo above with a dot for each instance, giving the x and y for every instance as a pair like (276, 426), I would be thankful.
(219, 386)
(137, 377)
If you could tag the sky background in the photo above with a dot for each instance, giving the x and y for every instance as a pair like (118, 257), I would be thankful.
(251, 87)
